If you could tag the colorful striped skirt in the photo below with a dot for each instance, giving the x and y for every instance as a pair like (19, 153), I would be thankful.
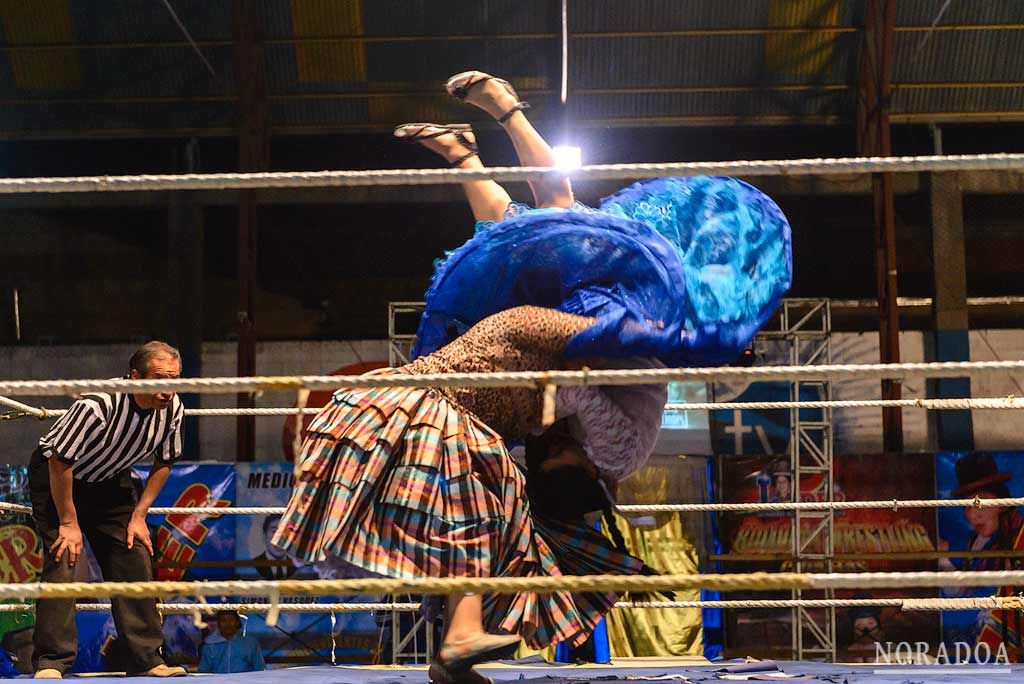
(401, 482)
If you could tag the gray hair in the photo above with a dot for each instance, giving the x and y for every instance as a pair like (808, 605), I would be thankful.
(149, 351)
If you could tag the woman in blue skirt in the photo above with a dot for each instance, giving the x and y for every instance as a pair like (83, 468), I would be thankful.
(413, 482)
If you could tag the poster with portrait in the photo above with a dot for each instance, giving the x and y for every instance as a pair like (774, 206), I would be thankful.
(263, 485)
(351, 635)
(878, 540)
(995, 535)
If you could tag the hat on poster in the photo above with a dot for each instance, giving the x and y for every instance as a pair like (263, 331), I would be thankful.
(978, 472)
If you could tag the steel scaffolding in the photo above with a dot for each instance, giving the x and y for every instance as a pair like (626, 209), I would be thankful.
(805, 325)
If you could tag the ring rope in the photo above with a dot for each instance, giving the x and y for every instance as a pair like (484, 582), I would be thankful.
(976, 603)
(223, 385)
(929, 404)
(909, 604)
(325, 179)
(894, 504)
(26, 411)
(758, 581)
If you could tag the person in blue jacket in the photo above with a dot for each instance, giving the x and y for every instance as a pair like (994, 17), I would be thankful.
(230, 651)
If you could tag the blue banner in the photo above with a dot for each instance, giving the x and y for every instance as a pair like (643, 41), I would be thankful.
(737, 432)
(184, 543)
(190, 547)
(351, 637)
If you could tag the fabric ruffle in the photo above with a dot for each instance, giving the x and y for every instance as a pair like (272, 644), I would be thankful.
(734, 242)
(587, 263)
(685, 270)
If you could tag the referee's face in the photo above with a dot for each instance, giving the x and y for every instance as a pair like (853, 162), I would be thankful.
(158, 368)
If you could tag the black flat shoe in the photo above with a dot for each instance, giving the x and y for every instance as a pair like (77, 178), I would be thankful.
(440, 674)
(484, 649)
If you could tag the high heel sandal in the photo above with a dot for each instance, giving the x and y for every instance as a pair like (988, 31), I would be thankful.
(419, 131)
(475, 78)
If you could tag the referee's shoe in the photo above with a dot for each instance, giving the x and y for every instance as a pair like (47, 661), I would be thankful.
(160, 670)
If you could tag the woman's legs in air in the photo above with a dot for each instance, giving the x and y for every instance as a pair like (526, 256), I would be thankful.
(499, 100)
(457, 146)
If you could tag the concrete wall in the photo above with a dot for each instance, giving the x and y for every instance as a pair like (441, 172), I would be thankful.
(860, 430)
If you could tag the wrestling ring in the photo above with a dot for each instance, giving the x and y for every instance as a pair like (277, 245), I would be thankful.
(269, 593)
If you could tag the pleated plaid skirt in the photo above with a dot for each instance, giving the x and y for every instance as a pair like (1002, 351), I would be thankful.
(401, 482)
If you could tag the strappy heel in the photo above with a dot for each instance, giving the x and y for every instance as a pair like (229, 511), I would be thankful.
(417, 132)
(460, 91)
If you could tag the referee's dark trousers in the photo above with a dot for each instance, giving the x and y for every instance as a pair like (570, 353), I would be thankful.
(104, 510)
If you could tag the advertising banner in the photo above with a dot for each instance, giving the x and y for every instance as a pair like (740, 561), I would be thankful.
(994, 535)
(21, 559)
(190, 547)
(877, 540)
(351, 635)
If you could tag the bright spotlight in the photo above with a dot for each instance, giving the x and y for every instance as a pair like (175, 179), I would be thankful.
(567, 157)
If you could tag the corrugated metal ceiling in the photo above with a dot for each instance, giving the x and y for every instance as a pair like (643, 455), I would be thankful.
(75, 67)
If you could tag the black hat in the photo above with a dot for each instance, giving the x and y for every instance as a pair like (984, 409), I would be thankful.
(858, 611)
(977, 472)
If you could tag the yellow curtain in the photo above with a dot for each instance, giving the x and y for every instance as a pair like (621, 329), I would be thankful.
(668, 543)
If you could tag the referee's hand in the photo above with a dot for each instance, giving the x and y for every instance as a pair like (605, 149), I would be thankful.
(138, 531)
(69, 538)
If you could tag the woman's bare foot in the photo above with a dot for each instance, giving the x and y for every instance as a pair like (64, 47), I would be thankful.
(493, 95)
(455, 143)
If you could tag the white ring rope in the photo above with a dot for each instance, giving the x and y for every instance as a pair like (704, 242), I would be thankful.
(225, 385)
(977, 603)
(211, 511)
(40, 413)
(895, 504)
(625, 509)
(503, 585)
(993, 403)
(903, 580)
(928, 404)
(44, 413)
(325, 179)
(190, 608)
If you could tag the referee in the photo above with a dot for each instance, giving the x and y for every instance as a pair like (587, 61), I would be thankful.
(80, 481)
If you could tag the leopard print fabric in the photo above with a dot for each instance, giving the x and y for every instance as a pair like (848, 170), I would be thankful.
(525, 338)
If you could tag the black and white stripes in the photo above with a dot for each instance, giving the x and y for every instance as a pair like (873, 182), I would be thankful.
(102, 434)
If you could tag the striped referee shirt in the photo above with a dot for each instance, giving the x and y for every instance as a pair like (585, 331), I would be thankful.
(103, 434)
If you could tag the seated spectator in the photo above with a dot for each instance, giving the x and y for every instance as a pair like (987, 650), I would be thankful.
(7, 668)
(229, 651)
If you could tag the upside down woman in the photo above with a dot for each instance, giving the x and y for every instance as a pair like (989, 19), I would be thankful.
(419, 482)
